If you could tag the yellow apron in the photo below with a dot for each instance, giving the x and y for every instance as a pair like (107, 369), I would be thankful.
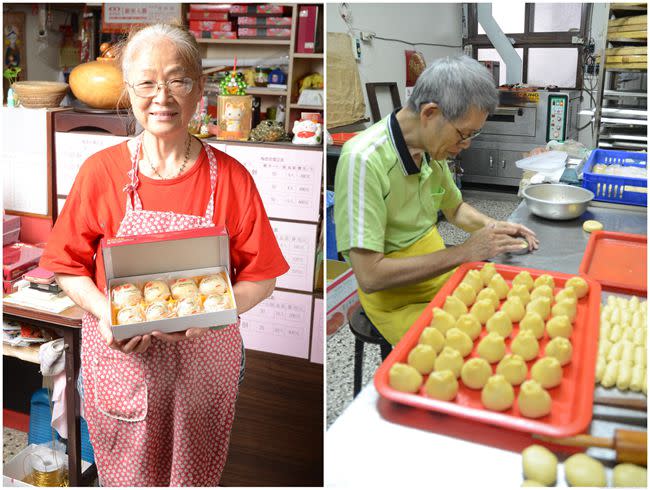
(394, 310)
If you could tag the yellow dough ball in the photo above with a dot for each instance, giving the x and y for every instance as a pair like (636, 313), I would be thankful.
(514, 308)
(525, 344)
(539, 464)
(592, 225)
(403, 377)
(561, 349)
(513, 368)
(487, 271)
(520, 291)
(524, 278)
(449, 359)
(497, 394)
(489, 293)
(492, 347)
(534, 322)
(470, 325)
(546, 279)
(499, 323)
(541, 306)
(500, 286)
(473, 278)
(433, 337)
(534, 401)
(459, 340)
(629, 475)
(454, 306)
(579, 284)
(566, 307)
(531, 483)
(465, 293)
(547, 372)
(442, 385)
(442, 320)
(482, 310)
(543, 291)
(566, 293)
(475, 373)
(581, 470)
(559, 326)
(422, 357)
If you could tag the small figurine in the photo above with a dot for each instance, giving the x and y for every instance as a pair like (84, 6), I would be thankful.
(307, 132)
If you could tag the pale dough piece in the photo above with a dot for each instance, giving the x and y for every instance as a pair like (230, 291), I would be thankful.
(637, 320)
(547, 371)
(611, 300)
(454, 307)
(473, 278)
(475, 373)
(634, 302)
(514, 308)
(531, 483)
(615, 352)
(628, 351)
(422, 357)
(630, 475)
(605, 330)
(524, 278)
(640, 356)
(541, 306)
(566, 293)
(567, 307)
(628, 334)
(636, 383)
(540, 464)
(442, 320)
(534, 401)
(403, 377)
(601, 365)
(525, 344)
(542, 291)
(497, 394)
(561, 349)
(513, 368)
(559, 326)
(433, 337)
(499, 323)
(482, 310)
(533, 321)
(459, 340)
(500, 286)
(465, 293)
(616, 333)
(470, 325)
(489, 293)
(581, 470)
(579, 284)
(546, 279)
(442, 385)
(640, 336)
(644, 387)
(610, 375)
(624, 377)
(520, 291)
(449, 359)
(626, 318)
(487, 271)
(592, 225)
(492, 347)
(604, 346)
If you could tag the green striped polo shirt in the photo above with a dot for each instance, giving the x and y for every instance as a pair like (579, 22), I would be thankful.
(382, 201)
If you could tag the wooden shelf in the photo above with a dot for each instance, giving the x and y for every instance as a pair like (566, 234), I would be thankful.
(310, 107)
(267, 42)
(265, 91)
(28, 353)
(308, 56)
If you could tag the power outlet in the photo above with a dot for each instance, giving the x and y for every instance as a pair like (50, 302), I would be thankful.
(356, 48)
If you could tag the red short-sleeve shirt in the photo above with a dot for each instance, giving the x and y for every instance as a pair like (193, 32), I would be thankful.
(97, 203)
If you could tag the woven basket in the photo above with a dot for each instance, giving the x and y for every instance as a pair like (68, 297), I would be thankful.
(40, 94)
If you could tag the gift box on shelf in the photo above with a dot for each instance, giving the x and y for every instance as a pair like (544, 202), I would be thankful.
(184, 261)
(18, 259)
(256, 10)
(210, 25)
(263, 32)
(10, 229)
(264, 21)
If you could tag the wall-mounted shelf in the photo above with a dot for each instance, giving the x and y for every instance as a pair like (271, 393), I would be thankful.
(265, 91)
(306, 107)
(259, 42)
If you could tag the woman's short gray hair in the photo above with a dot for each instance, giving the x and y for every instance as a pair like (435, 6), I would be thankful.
(455, 83)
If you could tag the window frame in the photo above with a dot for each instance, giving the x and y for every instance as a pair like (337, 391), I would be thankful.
(530, 39)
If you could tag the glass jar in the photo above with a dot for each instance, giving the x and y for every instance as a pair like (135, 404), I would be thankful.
(261, 76)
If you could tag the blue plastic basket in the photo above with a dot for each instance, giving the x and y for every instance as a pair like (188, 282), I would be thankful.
(613, 188)
(331, 250)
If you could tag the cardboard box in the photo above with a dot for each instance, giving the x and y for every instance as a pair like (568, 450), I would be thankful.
(256, 10)
(169, 256)
(210, 25)
(263, 21)
(214, 34)
(263, 32)
(342, 296)
(18, 259)
(209, 7)
(14, 471)
(306, 32)
(206, 15)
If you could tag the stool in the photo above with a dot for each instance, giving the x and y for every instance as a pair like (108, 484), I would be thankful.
(365, 331)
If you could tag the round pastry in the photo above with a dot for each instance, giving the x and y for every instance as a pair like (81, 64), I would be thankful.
(541, 306)
(514, 308)
(546, 279)
(442, 320)
(465, 293)
(534, 322)
(630, 475)
(525, 344)
(188, 306)
(442, 385)
(561, 349)
(521, 291)
(524, 278)
(559, 326)
(422, 357)
(403, 377)
(513, 368)
(497, 394)
(499, 323)
(566, 293)
(531, 483)
(449, 359)
(473, 278)
(492, 347)
(156, 291)
(500, 286)
(579, 284)
(130, 314)
(547, 372)
(482, 310)
(487, 271)
(433, 337)
(216, 302)
(126, 295)
(592, 225)
(470, 325)
(156, 311)
(540, 464)
(475, 373)
(184, 288)
(584, 471)
(214, 284)
(459, 340)
(454, 306)
(566, 307)
(489, 293)
(534, 401)
(542, 291)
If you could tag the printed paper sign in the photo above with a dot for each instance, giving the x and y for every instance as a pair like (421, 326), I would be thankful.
(317, 333)
(298, 244)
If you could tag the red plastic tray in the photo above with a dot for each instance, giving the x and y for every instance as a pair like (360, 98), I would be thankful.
(572, 400)
(618, 261)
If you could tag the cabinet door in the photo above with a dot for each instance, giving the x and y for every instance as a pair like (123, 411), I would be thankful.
(479, 162)
(506, 164)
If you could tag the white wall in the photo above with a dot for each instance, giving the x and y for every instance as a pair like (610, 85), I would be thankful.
(384, 61)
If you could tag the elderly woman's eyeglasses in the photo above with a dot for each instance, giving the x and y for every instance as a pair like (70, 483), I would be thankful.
(463, 138)
(175, 86)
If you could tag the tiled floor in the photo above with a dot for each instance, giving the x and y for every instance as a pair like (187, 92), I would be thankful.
(340, 346)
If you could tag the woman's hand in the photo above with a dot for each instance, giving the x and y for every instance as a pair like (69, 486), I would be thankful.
(190, 333)
(137, 344)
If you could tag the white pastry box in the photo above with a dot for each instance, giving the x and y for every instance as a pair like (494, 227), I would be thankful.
(168, 257)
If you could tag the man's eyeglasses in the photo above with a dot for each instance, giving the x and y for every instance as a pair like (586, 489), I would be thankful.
(175, 86)
(463, 138)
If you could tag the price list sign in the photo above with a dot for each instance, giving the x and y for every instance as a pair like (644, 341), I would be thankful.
(317, 333)
(298, 245)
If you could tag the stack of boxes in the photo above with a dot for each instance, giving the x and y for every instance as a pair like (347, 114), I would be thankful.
(225, 21)
(210, 21)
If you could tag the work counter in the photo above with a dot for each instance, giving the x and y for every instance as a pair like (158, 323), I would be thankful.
(376, 442)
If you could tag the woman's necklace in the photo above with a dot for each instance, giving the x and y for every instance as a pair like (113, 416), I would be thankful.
(180, 170)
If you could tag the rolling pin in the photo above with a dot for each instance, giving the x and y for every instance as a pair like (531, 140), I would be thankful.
(631, 446)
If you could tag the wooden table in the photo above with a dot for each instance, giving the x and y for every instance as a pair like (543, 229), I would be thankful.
(68, 325)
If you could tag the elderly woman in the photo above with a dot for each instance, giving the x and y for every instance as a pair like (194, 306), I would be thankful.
(391, 181)
(160, 407)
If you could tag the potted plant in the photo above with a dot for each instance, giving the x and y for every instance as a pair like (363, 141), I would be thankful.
(11, 74)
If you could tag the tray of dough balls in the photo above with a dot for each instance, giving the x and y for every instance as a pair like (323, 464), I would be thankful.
(503, 345)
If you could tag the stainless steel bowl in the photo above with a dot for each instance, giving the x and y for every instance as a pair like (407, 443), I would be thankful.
(557, 201)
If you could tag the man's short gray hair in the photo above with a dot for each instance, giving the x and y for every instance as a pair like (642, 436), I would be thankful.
(455, 83)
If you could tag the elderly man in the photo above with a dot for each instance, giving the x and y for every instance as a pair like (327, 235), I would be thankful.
(391, 181)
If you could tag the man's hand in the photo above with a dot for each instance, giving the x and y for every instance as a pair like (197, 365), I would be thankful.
(492, 240)
(190, 333)
(526, 233)
(136, 344)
